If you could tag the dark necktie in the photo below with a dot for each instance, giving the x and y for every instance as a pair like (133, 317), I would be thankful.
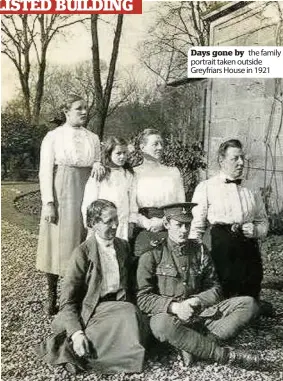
(236, 181)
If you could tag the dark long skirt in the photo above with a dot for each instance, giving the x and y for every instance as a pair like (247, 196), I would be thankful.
(237, 261)
(114, 335)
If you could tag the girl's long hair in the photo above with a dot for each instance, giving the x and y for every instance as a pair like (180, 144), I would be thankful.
(108, 148)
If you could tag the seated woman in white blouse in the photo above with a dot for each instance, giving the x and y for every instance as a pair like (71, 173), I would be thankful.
(115, 185)
(69, 154)
(154, 185)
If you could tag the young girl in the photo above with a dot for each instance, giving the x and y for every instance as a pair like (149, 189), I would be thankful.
(115, 185)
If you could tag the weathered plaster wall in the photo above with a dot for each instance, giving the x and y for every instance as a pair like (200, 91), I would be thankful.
(249, 109)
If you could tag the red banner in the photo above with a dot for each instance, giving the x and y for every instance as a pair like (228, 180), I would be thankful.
(70, 6)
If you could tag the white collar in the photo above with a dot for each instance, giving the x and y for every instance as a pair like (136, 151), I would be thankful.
(66, 125)
(104, 242)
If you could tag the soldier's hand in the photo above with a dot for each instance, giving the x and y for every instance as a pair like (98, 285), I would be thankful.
(80, 344)
(195, 303)
(248, 230)
(183, 310)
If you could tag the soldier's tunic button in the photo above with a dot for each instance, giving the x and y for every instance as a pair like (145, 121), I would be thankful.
(184, 283)
(184, 268)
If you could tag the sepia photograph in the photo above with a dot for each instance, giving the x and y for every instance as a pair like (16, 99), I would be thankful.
(142, 209)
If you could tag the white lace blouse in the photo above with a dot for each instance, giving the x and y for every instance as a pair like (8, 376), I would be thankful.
(65, 145)
(115, 188)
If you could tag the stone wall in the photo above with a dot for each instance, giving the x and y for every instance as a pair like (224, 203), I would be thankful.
(248, 109)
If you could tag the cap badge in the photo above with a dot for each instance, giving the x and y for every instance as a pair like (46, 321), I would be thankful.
(154, 243)
(184, 211)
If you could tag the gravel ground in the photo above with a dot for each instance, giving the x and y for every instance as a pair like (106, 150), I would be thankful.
(29, 203)
(272, 254)
(24, 325)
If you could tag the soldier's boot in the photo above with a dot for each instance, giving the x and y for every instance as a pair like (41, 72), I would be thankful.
(241, 358)
(266, 309)
(168, 328)
(188, 358)
(51, 304)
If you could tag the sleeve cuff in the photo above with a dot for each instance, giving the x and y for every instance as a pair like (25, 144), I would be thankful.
(208, 298)
(73, 328)
(77, 333)
(260, 232)
(167, 303)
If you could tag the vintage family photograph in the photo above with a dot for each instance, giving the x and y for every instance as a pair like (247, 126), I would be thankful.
(142, 210)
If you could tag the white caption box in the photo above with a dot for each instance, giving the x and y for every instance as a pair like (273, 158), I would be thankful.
(235, 62)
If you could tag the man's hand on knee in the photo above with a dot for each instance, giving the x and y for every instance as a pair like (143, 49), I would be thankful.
(195, 303)
(81, 344)
(186, 309)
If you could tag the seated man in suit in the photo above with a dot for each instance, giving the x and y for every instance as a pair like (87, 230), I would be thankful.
(178, 290)
(96, 327)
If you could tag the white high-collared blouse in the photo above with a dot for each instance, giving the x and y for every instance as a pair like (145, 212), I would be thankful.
(65, 145)
(154, 185)
(109, 266)
(220, 202)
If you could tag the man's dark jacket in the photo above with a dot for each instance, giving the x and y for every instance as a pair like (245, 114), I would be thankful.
(169, 272)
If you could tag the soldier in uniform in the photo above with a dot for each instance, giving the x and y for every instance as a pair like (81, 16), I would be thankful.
(178, 290)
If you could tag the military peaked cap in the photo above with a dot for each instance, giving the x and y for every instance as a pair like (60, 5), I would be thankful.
(181, 212)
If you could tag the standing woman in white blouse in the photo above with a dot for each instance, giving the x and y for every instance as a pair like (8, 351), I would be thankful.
(69, 154)
(115, 185)
(154, 185)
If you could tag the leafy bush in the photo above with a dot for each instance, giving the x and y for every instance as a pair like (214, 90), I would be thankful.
(276, 223)
(188, 158)
(275, 219)
(20, 145)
